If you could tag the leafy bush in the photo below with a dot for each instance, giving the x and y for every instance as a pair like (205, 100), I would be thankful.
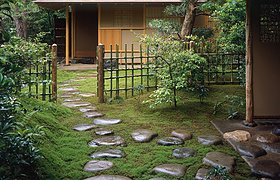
(175, 67)
(218, 173)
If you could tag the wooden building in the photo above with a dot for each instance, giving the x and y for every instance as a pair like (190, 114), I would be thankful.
(90, 22)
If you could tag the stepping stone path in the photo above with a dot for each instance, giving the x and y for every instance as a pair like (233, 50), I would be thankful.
(87, 109)
(109, 153)
(266, 138)
(87, 94)
(106, 121)
(69, 89)
(267, 168)
(182, 134)
(219, 159)
(109, 141)
(171, 169)
(250, 150)
(238, 135)
(143, 135)
(201, 174)
(72, 100)
(108, 177)
(94, 166)
(93, 114)
(168, 141)
(84, 127)
(183, 152)
(103, 132)
(75, 104)
(210, 140)
(276, 131)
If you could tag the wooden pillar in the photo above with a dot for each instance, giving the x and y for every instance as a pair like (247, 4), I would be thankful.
(67, 37)
(73, 32)
(249, 66)
(54, 72)
(100, 55)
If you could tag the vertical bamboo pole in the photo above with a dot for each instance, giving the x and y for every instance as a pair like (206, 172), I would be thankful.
(117, 72)
(67, 36)
(44, 81)
(100, 54)
(54, 72)
(125, 58)
(249, 65)
(132, 66)
(73, 32)
(111, 71)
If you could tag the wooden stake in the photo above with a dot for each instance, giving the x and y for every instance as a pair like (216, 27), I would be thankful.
(54, 72)
(100, 56)
(249, 66)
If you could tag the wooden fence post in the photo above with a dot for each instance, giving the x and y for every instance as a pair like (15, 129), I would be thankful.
(100, 55)
(54, 72)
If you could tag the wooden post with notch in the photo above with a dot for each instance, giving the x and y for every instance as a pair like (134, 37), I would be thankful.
(100, 55)
(54, 72)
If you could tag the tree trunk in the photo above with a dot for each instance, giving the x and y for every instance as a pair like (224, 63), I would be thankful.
(20, 21)
(189, 20)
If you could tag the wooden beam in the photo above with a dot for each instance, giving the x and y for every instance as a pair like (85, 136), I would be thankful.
(67, 37)
(249, 66)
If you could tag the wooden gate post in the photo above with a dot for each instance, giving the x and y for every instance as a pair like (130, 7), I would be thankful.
(100, 55)
(54, 72)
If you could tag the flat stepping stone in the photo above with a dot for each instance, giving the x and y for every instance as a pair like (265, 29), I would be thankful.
(158, 178)
(87, 94)
(219, 159)
(63, 85)
(110, 141)
(168, 141)
(266, 138)
(201, 174)
(66, 96)
(276, 131)
(108, 177)
(267, 168)
(250, 150)
(75, 104)
(238, 135)
(94, 166)
(72, 100)
(109, 153)
(271, 147)
(171, 169)
(143, 135)
(103, 132)
(69, 89)
(93, 114)
(183, 152)
(107, 121)
(210, 140)
(84, 127)
(182, 134)
(87, 109)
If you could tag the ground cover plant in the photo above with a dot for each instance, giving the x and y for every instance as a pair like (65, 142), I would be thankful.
(67, 150)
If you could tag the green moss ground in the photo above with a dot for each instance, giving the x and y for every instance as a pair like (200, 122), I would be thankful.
(65, 151)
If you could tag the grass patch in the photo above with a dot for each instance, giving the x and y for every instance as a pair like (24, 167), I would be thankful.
(66, 151)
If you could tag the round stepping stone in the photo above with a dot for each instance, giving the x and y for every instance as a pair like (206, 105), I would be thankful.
(109, 153)
(250, 150)
(238, 135)
(219, 159)
(183, 152)
(201, 174)
(106, 121)
(87, 94)
(266, 138)
(143, 135)
(108, 177)
(84, 127)
(276, 131)
(182, 134)
(103, 132)
(110, 141)
(75, 104)
(94, 166)
(72, 100)
(87, 109)
(267, 168)
(93, 114)
(168, 141)
(69, 89)
(171, 169)
(210, 140)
